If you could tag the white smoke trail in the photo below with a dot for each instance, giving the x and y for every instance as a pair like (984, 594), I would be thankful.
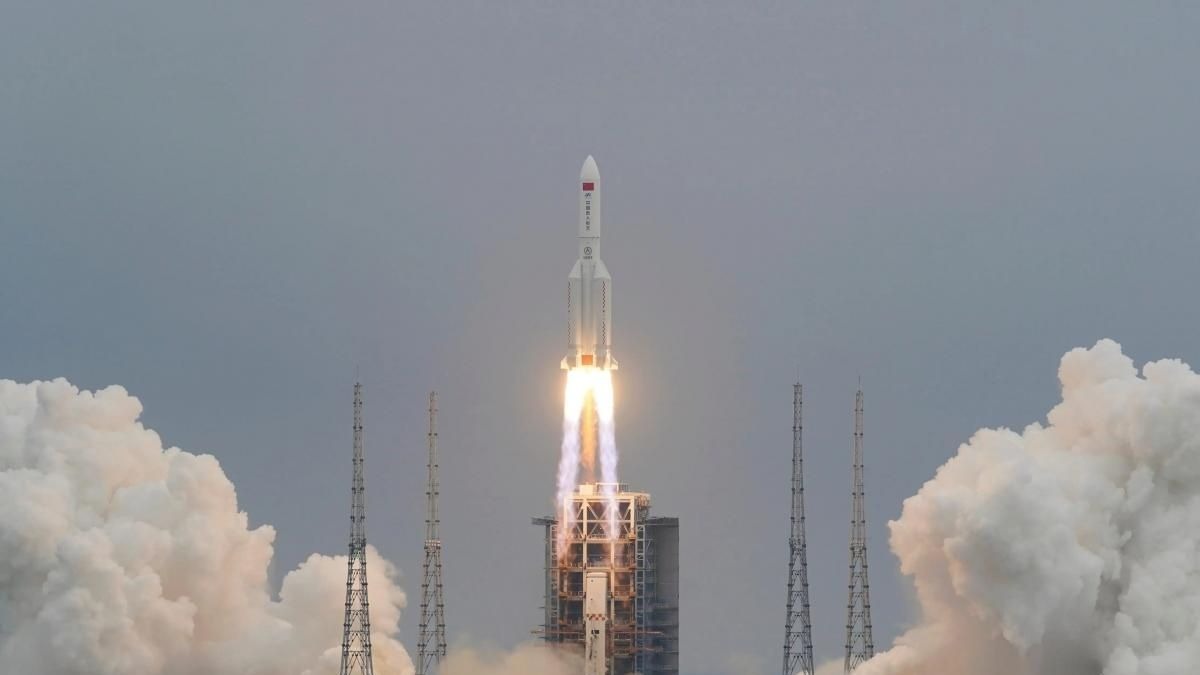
(120, 557)
(602, 392)
(583, 385)
(1071, 548)
(568, 463)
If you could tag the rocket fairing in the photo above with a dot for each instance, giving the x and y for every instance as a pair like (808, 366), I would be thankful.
(589, 287)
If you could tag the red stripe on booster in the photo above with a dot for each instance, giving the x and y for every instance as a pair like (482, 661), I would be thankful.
(588, 187)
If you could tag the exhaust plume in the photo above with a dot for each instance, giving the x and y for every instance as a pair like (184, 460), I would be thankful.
(1070, 548)
(568, 463)
(120, 557)
(588, 429)
(602, 394)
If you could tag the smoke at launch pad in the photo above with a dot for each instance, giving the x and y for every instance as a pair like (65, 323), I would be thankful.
(1068, 548)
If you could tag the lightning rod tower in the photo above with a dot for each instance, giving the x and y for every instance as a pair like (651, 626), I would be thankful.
(860, 645)
(431, 645)
(797, 644)
(356, 627)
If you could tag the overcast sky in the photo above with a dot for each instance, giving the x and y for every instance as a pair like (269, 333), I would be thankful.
(229, 207)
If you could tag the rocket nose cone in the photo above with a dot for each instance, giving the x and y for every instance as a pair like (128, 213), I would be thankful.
(589, 172)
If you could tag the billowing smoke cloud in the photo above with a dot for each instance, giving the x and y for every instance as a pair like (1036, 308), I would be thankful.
(120, 557)
(527, 659)
(1071, 548)
(831, 667)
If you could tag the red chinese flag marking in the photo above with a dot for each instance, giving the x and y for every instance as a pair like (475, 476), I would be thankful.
(588, 187)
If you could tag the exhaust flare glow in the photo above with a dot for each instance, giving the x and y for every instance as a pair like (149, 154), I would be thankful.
(588, 397)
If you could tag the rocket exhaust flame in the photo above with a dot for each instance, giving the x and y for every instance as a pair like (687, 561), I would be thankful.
(602, 394)
(588, 396)
(587, 440)
(568, 463)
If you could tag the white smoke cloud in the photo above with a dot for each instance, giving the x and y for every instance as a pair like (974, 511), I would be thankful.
(1071, 548)
(831, 667)
(120, 557)
(527, 659)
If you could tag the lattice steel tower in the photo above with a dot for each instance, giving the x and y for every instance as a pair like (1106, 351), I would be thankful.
(860, 646)
(431, 645)
(356, 627)
(797, 643)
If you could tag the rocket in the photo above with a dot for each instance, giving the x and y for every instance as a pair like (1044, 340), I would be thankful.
(595, 609)
(589, 287)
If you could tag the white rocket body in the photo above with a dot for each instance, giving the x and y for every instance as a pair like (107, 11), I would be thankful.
(589, 287)
(595, 609)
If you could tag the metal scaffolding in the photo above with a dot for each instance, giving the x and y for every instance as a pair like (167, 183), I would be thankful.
(641, 561)
(431, 643)
(860, 645)
(797, 643)
(356, 626)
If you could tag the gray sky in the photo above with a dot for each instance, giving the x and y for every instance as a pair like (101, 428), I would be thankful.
(227, 207)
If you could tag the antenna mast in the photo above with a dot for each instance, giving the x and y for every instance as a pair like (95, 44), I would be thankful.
(860, 645)
(356, 627)
(431, 645)
(797, 644)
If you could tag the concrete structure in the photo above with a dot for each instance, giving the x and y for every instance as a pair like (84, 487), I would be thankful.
(615, 598)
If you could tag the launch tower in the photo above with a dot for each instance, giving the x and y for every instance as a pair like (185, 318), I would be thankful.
(860, 645)
(797, 642)
(431, 640)
(615, 597)
(356, 626)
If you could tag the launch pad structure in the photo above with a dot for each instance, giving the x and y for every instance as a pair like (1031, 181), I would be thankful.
(611, 570)
(616, 597)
